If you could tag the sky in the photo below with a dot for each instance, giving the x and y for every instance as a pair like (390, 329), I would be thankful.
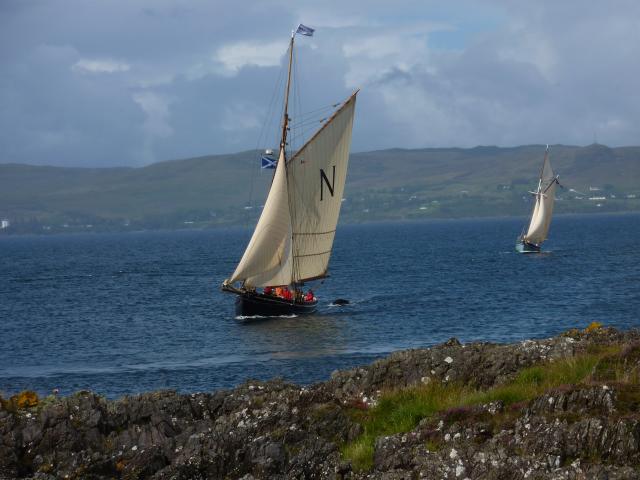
(126, 82)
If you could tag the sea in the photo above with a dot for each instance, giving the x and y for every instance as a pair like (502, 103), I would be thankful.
(121, 314)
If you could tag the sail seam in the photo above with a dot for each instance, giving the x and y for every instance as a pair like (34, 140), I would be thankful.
(317, 277)
(312, 254)
(314, 233)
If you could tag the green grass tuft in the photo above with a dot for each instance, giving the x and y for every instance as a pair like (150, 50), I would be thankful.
(399, 411)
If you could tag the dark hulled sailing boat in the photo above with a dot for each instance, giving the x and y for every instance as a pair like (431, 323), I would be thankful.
(293, 238)
(545, 194)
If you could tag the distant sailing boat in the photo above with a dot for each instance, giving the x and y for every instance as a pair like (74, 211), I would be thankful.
(293, 239)
(529, 241)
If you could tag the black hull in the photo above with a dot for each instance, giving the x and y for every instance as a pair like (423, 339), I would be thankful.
(526, 247)
(250, 305)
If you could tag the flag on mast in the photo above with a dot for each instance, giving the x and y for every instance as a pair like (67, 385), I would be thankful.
(304, 30)
(268, 162)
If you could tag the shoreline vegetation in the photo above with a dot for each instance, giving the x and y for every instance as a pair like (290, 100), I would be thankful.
(563, 407)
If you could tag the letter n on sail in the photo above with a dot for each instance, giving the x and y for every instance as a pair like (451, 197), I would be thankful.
(324, 179)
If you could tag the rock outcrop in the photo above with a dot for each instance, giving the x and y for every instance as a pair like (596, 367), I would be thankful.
(277, 430)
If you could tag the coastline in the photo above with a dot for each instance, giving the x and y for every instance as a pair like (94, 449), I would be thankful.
(343, 224)
(274, 429)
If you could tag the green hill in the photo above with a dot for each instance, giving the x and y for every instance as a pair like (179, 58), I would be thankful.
(385, 184)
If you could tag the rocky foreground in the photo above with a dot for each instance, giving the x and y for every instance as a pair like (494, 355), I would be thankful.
(279, 430)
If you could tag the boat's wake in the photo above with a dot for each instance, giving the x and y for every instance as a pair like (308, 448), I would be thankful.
(332, 304)
(256, 317)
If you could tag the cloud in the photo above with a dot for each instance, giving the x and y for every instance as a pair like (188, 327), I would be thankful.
(119, 82)
(156, 124)
(380, 51)
(240, 116)
(235, 56)
(100, 66)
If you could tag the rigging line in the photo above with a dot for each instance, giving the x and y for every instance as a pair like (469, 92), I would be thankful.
(272, 104)
(310, 122)
(267, 125)
(555, 180)
(325, 107)
(300, 137)
(301, 127)
(297, 101)
(272, 116)
(299, 120)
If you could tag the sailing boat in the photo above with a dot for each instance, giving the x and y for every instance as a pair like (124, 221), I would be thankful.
(536, 233)
(293, 239)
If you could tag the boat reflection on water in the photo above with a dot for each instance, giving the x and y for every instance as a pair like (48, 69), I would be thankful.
(289, 336)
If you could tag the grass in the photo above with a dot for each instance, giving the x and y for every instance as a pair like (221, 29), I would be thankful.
(401, 410)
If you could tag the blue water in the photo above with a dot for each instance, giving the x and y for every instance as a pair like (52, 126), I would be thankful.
(126, 313)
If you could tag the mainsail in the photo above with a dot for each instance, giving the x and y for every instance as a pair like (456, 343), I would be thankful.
(293, 238)
(543, 207)
(317, 174)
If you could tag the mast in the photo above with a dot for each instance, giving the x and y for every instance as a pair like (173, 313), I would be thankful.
(544, 162)
(267, 258)
(285, 128)
(285, 121)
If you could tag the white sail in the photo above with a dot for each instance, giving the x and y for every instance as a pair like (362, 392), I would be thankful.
(317, 174)
(294, 235)
(293, 238)
(267, 259)
(543, 208)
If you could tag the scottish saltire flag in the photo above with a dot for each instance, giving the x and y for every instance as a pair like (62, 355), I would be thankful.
(304, 30)
(268, 162)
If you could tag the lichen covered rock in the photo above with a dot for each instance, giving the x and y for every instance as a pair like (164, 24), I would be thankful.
(277, 430)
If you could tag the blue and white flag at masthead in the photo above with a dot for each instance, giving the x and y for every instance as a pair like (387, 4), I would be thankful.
(304, 30)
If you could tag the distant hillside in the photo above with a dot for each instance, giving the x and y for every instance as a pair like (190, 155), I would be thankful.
(385, 184)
